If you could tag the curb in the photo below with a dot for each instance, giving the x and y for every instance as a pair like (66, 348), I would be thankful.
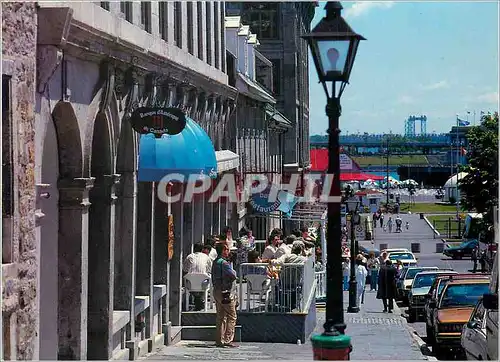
(432, 227)
(420, 342)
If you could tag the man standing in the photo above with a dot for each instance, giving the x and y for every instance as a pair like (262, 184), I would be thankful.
(272, 248)
(198, 262)
(223, 277)
(474, 256)
(387, 286)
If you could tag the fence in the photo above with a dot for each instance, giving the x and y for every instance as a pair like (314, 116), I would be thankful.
(450, 228)
(320, 284)
(288, 293)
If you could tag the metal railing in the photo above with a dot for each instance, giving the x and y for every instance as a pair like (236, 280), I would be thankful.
(320, 284)
(287, 290)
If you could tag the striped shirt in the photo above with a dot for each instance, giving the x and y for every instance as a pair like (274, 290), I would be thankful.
(198, 263)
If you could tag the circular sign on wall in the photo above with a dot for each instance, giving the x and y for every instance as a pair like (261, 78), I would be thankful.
(158, 121)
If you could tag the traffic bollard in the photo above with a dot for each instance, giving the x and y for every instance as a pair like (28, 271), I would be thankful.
(331, 347)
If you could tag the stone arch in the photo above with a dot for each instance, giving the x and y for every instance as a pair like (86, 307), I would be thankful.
(69, 141)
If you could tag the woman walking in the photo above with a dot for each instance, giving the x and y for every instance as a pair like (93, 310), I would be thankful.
(387, 286)
(373, 268)
(346, 268)
(361, 274)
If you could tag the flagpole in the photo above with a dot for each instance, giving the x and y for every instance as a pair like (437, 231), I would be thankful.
(458, 153)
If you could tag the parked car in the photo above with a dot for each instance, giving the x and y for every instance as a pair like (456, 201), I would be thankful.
(462, 250)
(396, 250)
(473, 339)
(406, 257)
(434, 295)
(490, 302)
(366, 251)
(403, 284)
(420, 287)
(453, 310)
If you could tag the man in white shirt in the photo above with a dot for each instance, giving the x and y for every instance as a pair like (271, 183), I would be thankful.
(286, 247)
(270, 250)
(198, 263)
(295, 257)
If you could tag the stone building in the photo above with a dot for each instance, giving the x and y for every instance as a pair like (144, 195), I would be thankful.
(19, 245)
(109, 283)
(259, 126)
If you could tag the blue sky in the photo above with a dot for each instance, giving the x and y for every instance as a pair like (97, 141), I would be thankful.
(434, 58)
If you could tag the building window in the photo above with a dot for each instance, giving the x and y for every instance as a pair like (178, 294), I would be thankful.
(208, 33)
(263, 19)
(276, 76)
(216, 35)
(105, 5)
(201, 32)
(146, 15)
(231, 69)
(178, 23)
(190, 35)
(126, 9)
(163, 19)
(7, 172)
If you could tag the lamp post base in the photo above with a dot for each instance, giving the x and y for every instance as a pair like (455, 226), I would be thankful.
(331, 347)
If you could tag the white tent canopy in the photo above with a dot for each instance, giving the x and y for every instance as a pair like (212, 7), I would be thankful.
(451, 189)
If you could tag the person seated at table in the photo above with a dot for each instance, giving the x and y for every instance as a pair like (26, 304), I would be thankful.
(270, 250)
(295, 257)
(305, 235)
(285, 247)
(228, 237)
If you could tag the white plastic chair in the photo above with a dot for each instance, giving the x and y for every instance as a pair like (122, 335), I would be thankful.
(196, 283)
(258, 285)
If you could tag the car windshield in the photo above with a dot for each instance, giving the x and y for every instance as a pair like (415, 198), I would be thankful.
(401, 256)
(424, 280)
(463, 295)
(412, 272)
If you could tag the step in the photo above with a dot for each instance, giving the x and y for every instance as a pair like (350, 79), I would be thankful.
(205, 333)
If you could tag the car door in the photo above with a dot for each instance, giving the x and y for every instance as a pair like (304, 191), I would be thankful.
(475, 337)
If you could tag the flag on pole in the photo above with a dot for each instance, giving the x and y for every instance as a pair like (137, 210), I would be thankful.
(462, 123)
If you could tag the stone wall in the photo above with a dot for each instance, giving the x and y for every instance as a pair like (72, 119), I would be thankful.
(19, 26)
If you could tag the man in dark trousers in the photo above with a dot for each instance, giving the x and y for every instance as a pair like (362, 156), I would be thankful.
(475, 254)
(387, 285)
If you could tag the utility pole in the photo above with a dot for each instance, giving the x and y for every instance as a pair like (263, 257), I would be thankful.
(387, 172)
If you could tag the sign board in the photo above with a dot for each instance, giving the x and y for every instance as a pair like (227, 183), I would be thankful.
(345, 162)
(158, 121)
(360, 231)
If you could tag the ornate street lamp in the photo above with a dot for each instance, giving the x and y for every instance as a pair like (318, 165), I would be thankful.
(333, 46)
(352, 206)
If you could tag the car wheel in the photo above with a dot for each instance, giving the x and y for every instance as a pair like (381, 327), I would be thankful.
(438, 351)
(429, 331)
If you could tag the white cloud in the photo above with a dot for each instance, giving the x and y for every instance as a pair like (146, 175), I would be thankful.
(491, 97)
(438, 85)
(406, 99)
(362, 7)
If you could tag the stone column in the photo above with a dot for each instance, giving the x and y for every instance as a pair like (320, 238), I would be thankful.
(73, 267)
(125, 252)
(144, 248)
(101, 267)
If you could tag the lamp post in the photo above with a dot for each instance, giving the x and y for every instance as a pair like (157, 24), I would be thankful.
(333, 46)
(352, 205)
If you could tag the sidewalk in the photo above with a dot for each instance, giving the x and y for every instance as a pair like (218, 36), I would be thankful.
(375, 336)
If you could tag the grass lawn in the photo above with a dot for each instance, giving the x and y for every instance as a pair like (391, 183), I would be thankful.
(428, 208)
(445, 227)
(402, 160)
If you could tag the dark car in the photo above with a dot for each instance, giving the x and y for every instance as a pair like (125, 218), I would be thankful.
(366, 251)
(462, 250)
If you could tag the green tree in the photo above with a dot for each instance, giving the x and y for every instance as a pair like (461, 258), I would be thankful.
(480, 186)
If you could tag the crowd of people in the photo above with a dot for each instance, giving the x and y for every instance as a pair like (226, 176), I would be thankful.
(380, 274)
(391, 224)
(220, 258)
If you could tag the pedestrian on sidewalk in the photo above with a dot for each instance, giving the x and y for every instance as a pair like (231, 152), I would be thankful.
(475, 253)
(387, 286)
(346, 268)
(407, 225)
(223, 277)
(373, 268)
(389, 224)
(381, 218)
(361, 274)
(374, 220)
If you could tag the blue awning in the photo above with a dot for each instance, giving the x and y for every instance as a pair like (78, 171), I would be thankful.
(190, 152)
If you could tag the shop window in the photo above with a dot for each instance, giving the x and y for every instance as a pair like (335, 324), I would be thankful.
(263, 19)
(163, 19)
(178, 23)
(201, 31)
(146, 15)
(276, 76)
(7, 172)
(190, 35)
(105, 5)
(126, 9)
(208, 33)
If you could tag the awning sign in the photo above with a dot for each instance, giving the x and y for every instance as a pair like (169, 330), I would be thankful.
(158, 121)
(285, 202)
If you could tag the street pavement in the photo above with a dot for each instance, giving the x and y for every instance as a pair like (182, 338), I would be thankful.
(375, 336)
(420, 232)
